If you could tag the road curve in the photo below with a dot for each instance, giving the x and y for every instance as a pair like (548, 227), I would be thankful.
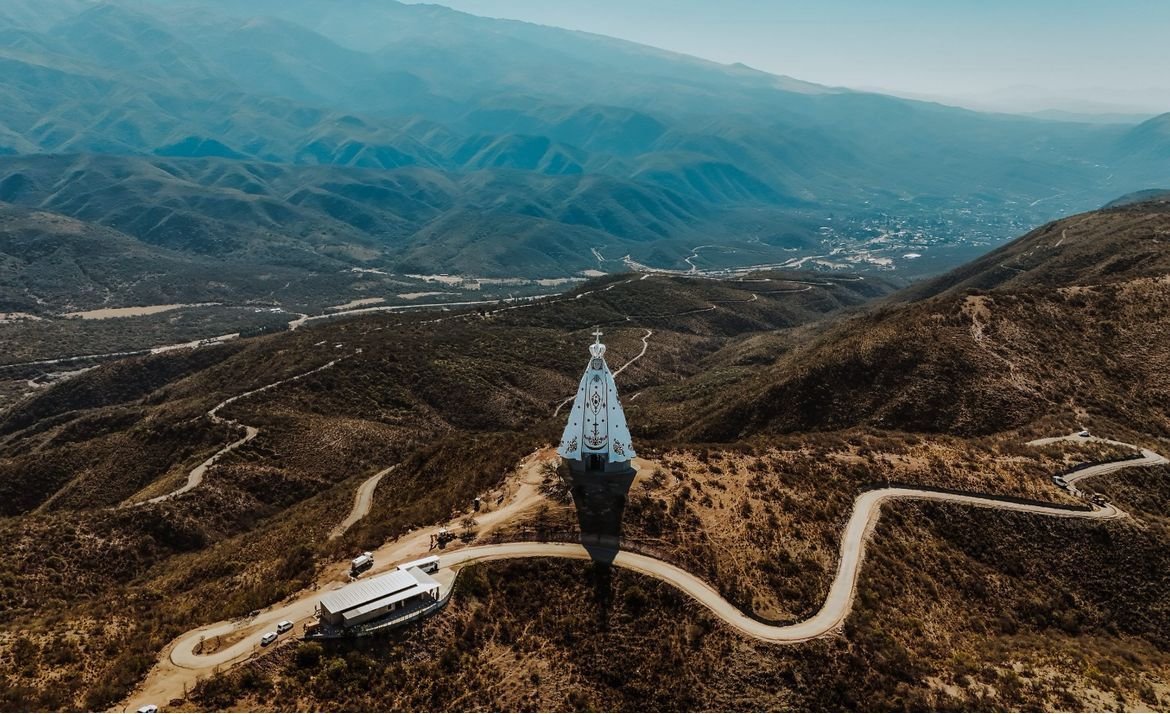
(619, 370)
(839, 603)
(362, 499)
(182, 665)
(640, 355)
(1148, 458)
(195, 477)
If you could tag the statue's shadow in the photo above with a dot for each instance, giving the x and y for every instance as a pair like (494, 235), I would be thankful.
(600, 501)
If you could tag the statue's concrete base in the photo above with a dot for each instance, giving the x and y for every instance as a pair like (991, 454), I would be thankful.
(600, 496)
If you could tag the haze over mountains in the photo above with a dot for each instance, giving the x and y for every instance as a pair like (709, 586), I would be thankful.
(313, 136)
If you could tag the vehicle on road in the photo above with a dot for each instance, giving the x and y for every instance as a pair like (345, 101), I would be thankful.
(1084, 433)
(1059, 481)
(361, 564)
(1099, 500)
(148, 709)
(283, 626)
(268, 638)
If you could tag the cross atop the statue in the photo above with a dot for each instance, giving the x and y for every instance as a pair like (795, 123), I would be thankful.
(597, 334)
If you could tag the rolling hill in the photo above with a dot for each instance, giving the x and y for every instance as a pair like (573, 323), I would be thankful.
(569, 140)
(764, 403)
(1063, 321)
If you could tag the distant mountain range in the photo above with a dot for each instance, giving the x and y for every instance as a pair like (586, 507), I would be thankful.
(413, 137)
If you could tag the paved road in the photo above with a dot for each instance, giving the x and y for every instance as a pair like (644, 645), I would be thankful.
(1149, 458)
(839, 603)
(362, 500)
(180, 667)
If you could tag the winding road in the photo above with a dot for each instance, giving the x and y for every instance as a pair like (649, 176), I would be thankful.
(195, 477)
(862, 520)
(180, 666)
(362, 500)
(640, 355)
(619, 370)
(1148, 458)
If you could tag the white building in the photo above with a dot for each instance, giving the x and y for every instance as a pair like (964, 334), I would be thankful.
(383, 596)
(596, 438)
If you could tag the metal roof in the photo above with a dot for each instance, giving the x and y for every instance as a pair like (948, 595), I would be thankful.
(423, 579)
(423, 584)
(364, 591)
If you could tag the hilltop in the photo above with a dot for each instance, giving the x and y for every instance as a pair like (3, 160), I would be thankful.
(958, 608)
(763, 404)
(1062, 322)
(403, 389)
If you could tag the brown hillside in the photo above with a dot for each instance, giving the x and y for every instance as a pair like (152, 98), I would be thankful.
(1042, 327)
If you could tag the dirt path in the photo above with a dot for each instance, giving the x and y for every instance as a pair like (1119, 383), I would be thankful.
(640, 355)
(179, 667)
(362, 499)
(195, 477)
(635, 358)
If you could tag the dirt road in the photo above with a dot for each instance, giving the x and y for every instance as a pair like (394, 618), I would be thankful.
(195, 477)
(179, 668)
(362, 500)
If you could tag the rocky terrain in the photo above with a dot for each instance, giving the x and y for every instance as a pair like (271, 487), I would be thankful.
(763, 405)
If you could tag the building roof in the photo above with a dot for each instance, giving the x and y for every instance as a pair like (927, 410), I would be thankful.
(423, 583)
(423, 579)
(364, 591)
(596, 423)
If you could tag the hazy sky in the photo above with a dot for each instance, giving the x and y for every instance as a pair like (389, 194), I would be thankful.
(1040, 52)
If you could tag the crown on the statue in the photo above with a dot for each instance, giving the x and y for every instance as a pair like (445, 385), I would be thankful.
(597, 349)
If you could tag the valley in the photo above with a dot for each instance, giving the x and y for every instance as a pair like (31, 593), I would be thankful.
(762, 514)
(295, 298)
(350, 155)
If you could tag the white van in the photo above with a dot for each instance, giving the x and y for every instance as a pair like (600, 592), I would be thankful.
(268, 638)
(283, 626)
(362, 563)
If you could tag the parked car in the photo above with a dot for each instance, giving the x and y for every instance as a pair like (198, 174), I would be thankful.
(148, 709)
(283, 626)
(1059, 481)
(268, 638)
(1084, 433)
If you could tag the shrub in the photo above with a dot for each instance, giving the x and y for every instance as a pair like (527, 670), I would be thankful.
(309, 655)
